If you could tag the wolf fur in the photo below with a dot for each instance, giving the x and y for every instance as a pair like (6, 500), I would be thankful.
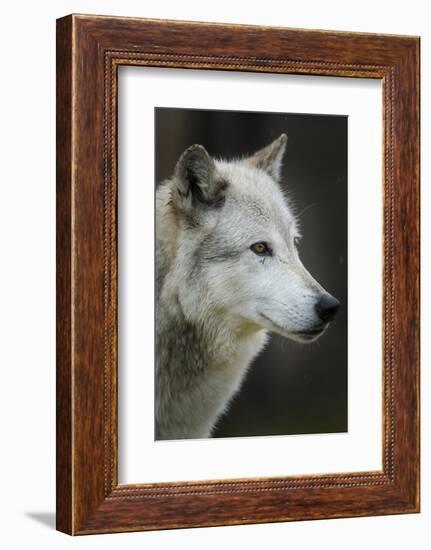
(218, 295)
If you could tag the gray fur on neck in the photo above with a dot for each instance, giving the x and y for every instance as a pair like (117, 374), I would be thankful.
(200, 364)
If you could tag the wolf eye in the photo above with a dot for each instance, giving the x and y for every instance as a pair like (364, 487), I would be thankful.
(261, 249)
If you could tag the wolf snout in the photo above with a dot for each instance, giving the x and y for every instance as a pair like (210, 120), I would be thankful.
(326, 307)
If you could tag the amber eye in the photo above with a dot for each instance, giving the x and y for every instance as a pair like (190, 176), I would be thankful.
(261, 249)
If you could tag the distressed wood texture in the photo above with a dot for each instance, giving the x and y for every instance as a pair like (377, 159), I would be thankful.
(89, 50)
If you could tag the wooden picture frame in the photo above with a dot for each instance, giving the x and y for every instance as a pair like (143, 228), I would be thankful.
(89, 51)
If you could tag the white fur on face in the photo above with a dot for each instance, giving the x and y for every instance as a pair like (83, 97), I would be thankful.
(273, 292)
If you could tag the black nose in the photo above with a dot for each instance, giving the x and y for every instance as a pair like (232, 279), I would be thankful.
(326, 307)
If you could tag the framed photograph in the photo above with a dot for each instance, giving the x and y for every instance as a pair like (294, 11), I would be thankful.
(237, 274)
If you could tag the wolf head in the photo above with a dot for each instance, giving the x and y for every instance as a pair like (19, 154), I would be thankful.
(234, 253)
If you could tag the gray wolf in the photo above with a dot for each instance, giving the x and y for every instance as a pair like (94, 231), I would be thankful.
(227, 274)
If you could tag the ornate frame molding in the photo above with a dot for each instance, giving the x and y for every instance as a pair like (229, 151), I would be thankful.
(89, 498)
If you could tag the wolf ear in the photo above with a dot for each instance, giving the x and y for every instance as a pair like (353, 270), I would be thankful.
(270, 157)
(196, 181)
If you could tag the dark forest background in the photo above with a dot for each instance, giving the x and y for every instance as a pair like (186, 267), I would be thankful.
(290, 388)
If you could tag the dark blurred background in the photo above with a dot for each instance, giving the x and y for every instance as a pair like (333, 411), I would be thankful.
(290, 388)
